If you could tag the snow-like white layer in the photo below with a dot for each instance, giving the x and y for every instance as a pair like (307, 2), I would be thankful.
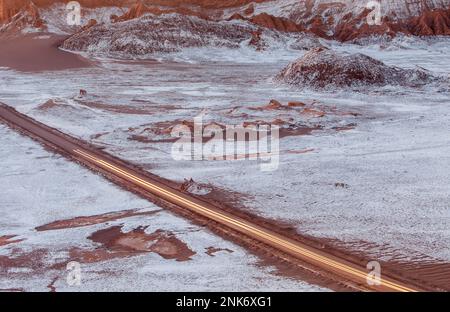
(40, 187)
(395, 162)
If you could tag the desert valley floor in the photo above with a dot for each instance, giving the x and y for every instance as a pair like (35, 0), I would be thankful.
(365, 170)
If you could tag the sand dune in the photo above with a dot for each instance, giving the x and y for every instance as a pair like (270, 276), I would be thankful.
(37, 53)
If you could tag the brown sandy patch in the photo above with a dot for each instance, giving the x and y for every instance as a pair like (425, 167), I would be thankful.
(18, 259)
(276, 105)
(347, 114)
(12, 290)
(96, 255)
(286, 128)
(307, 109)
(6, 240)
(304, 151)
(291, 105)
(298, 130)
(296, 104)
(211, 251)
(273, 105)
(91, 220)
(345, 128)
(160, 132)
(314, 113)
(126, 109)
(31, 53)
(146, 139)
(117, 244)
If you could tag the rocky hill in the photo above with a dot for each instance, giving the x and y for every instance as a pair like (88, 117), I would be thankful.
(324, 68)
(152, 34)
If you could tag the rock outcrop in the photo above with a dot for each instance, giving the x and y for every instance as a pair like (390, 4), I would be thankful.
(136, 10)
(153, 34)
(27, 17)
(276, 23)
(324, 68)
(140, 8)
(9, 8)
(428, 23)
(270, 22)
(347, 20)
(431, 23)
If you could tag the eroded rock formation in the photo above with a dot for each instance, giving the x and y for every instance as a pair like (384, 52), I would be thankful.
(153, 34)
(343, 20)
(324, 68)
(28, 16)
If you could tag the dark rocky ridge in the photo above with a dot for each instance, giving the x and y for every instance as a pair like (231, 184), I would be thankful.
(152, 34)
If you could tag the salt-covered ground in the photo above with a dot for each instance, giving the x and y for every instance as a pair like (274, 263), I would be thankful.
(381, 188)
(40, 187)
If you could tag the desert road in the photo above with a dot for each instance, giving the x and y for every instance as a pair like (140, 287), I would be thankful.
(102, 162)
